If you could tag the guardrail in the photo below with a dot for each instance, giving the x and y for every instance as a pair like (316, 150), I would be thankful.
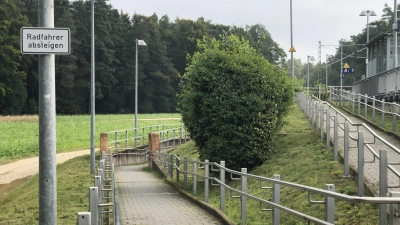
(120, 140)
(102, 195)
(124, 151)
(357, 103)
(323, 112)
(185, 167)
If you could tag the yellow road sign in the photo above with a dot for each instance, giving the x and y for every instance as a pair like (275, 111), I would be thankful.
(292, 49)
(346, 66)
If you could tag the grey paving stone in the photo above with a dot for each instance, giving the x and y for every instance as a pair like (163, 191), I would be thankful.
(147, 199)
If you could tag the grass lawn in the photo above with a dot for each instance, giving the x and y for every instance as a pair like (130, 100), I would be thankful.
(20, 136)
(21, 206)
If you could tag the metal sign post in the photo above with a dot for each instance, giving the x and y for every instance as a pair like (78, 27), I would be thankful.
(47, 125)
(46, 41)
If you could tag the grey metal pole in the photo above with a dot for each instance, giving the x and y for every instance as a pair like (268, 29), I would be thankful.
(341, 73)
(136, 91)
(367, 56)
(395, 60)
(326, 71)
(47, 125)
(291, 39)
(92, 98)
(308, 74)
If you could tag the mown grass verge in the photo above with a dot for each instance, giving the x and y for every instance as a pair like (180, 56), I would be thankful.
(21, 205)
(301, 158)
(20, 138)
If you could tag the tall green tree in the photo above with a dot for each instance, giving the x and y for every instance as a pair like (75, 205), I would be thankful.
(13, 65)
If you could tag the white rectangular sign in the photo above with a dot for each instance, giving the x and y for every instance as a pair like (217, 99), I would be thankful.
(42, 40)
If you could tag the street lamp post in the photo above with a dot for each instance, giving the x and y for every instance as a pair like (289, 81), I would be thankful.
(92, 96)
(309, 58)
(138, 42)
(367, 13)
(291, 40)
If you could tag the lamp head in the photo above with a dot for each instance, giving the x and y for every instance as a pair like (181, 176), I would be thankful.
(140, 42)
(363, 13)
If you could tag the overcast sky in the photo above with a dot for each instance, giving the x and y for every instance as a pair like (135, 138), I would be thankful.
(327, 21)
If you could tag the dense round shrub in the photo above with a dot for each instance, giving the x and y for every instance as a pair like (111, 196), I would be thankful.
(233, 102)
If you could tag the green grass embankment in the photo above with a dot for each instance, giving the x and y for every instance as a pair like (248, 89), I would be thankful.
(301, 157)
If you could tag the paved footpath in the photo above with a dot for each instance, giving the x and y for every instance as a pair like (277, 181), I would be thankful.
(146, 199)
(371, 170)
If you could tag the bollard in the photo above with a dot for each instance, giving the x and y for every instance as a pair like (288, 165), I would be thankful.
(243, 198)
(222, 187)
(206, 183)
(93, 205)
(84, 218)
(346, 149)
(330, 205)
(360, 164)
(276, 198)
(383, 171)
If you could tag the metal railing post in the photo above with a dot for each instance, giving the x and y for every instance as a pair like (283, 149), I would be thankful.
(222, 187)
(359, 104)
(93, 205)
(316, 115)
(353, 102)
(126, 138)
(185, 167)
(328, 128)
(170, 164)
(180, 135)
(394, 122)
(394, 217)
(177, 167)
(276, 198)
(243, 199)
(84, 218)
(335, 138)
(321, 125)
(383, 114)
(194, 177)
(366, 106)
(206, 183)
(383, 170)
(373, 109)
(346, 149)
(360, 164)
(330, 205)
(312, 113)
